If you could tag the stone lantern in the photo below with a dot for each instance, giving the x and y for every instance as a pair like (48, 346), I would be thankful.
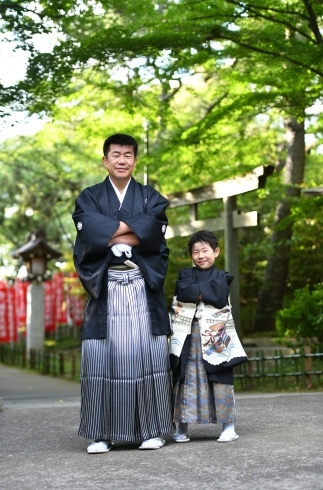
(35, 253)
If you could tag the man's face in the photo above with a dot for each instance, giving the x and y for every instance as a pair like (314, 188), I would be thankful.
(120, 162)
(203, 255)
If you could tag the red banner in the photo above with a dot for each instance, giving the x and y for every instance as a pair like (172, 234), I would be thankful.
(8, 316)
(21, 302)
(49, 306)
(77, 305)
(12, 314)
(60, 306)
(4, 330)
(60, 303)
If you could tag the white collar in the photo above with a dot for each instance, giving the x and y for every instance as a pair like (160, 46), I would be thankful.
(119, 194)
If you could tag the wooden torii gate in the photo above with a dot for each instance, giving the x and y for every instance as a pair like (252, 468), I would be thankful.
(313, 192)
(230, 220)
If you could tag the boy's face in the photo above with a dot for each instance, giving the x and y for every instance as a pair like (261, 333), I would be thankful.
(203, 255)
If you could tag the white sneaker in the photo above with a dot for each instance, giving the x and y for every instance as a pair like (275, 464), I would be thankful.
(155, 443)
(99, 447)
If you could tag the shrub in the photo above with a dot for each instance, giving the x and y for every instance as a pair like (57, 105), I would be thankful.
(303, 317)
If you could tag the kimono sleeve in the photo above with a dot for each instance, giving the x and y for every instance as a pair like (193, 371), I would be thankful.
(150, 226)
(94, 229)
(91, 251)
(215, 292)
(187, 290)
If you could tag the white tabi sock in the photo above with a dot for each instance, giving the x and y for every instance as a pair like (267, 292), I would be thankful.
(228, 428)
(181, 428)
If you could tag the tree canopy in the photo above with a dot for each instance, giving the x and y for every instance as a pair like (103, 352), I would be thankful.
(167, 39)
(210, 88)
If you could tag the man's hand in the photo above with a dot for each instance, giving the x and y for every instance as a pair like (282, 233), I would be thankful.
(127, 239)
(122, 229)
(121, 248)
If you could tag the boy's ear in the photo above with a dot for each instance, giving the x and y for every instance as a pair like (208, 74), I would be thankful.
(217, 251)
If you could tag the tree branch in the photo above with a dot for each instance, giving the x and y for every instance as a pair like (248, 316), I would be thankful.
(313, 22)
(166, 97)
(271, 53)
(60, 224)
(272, 9)
(265, 17)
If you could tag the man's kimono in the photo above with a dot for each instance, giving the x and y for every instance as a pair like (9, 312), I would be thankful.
(96, 218)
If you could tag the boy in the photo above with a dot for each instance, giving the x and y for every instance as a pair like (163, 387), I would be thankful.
(204, 343)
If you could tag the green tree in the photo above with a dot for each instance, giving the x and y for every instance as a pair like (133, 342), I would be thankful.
(250, 59)
(302, 319)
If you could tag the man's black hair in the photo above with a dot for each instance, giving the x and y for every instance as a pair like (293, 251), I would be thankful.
(203, 236)
(120, 139)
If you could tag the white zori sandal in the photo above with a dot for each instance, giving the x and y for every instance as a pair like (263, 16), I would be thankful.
(98, 446)
(155, 443)
(181, 438)
(181, 432)
(228, 433)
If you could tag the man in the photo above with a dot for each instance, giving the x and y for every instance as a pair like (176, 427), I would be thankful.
(126, 392)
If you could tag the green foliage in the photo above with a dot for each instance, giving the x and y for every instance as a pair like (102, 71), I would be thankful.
(212, 79)
(267, 44)
(306, 244)
(44, 174)
(303, 317)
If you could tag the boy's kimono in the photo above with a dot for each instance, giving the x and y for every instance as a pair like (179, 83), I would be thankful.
(220, 343)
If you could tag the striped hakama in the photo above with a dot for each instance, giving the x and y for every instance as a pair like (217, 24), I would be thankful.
(125, 378)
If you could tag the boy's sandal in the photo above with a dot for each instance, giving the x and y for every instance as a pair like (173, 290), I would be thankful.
(229, 437)
(181, 438)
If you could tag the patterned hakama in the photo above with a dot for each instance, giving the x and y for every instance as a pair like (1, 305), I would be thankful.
(125, 378)
(198, 400)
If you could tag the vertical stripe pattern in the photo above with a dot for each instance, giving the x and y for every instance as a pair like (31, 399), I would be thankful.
(125, 378)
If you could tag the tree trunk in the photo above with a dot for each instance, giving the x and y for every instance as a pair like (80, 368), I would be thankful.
(272, 293)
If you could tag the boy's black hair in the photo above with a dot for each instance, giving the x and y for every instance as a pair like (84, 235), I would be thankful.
(120, 139)
(203, 236)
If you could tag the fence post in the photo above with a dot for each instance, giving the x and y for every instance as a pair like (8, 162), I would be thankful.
(73, 366)
(46, 363)
(54, 363)
(250, 372)
(23, 357)
(61, 364)
(32, 358)
(308, 366)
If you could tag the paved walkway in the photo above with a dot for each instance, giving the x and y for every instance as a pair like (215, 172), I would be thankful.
(280, 445)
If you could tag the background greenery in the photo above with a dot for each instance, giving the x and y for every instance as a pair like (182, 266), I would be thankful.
(210, 88)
